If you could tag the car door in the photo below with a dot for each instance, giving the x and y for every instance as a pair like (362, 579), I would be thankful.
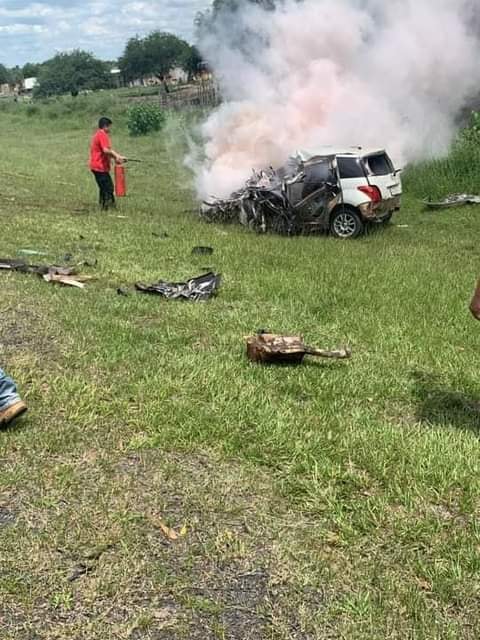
(381, 173)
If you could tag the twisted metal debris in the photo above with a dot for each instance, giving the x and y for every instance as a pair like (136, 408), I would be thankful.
(288, 200)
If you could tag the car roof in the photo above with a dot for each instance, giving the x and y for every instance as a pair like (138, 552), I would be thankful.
(331, 151)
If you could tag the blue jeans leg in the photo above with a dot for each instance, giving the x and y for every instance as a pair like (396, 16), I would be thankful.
(8, 391)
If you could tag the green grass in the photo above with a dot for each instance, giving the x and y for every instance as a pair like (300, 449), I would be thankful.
(333, 500)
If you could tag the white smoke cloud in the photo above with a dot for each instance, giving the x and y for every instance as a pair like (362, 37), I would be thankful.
(370, 72)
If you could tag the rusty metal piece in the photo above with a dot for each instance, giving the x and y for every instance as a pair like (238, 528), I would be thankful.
(277, 349)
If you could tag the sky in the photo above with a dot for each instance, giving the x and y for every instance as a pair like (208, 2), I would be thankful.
(35, 31)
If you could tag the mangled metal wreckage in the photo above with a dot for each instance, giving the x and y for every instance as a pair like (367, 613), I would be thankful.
(311, 193)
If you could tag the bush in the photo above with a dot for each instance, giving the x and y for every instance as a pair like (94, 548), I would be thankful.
(145, 118)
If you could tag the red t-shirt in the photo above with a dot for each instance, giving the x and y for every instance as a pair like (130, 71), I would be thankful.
(99, 160)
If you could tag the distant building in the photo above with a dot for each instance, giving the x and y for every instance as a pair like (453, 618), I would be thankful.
(116, 77)
(29, 84)
(178, 76)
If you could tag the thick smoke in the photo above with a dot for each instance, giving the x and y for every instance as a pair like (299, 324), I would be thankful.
(387, 73)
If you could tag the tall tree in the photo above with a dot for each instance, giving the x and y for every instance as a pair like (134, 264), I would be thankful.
(191, 60)
(4, 75)
(71, 73)
(156, 55)
(31, 70)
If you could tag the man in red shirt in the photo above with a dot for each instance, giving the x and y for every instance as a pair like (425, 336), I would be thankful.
(101, 153)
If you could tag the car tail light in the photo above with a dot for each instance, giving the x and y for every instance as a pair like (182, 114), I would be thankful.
(372, 192)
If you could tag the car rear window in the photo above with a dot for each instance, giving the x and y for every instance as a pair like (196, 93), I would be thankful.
(350, 168)
(379, 165)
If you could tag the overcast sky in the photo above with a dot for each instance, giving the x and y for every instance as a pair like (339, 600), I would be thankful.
(35, 31)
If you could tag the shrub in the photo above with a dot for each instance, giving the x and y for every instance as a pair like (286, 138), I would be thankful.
(145, 118)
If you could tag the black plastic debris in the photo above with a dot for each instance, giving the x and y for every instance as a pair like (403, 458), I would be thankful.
(122, 291)
(8, 264)
(196, 289)
(202, 251)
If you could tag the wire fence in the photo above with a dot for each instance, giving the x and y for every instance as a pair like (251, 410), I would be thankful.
(204, 94)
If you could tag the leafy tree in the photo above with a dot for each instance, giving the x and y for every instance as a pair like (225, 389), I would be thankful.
(191, 60)
(4, 75)
(16, 75)
(71, 73)
(156, 55)
(31, 70)
(134, 60)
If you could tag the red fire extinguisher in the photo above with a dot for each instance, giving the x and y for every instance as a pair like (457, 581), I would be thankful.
(120, 181)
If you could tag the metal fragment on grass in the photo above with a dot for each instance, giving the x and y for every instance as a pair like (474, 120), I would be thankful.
(453, 200)
(196, 289)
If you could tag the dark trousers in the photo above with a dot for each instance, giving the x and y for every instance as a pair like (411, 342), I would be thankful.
(105, 185)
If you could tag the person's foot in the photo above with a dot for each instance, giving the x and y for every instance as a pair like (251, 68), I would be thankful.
(7, 416)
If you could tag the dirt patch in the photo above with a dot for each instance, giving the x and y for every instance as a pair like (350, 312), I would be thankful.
(101, 565)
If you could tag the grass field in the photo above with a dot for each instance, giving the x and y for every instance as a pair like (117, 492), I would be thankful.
(335, 500)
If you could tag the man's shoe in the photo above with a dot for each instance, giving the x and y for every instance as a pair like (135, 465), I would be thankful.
(7, 416)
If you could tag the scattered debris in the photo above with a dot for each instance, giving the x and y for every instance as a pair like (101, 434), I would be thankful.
(288, 200)
(196, 289)
(121, 291)
(9, 264)
(68, 280)
(31, 252)
(52, 273)
(453, 200)
(202, 251)
(271, 348)
(167, 531)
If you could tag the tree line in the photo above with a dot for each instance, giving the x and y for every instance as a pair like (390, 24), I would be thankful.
(154, 55)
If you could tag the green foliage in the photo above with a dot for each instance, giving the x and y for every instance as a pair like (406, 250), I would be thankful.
(16, 75)
(156, 55)
(191, 60)
(4, 74)
(31, 70)
(72, 73)
(145, 118)
(457, 172)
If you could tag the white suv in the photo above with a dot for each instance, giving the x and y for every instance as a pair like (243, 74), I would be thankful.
(369, 187)
(336, 190)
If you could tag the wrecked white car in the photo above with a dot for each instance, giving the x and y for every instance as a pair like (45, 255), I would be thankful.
(334, 190)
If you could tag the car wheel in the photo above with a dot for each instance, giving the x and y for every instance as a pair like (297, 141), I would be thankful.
(346, 223)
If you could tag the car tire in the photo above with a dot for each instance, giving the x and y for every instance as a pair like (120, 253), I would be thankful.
(346, 223)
